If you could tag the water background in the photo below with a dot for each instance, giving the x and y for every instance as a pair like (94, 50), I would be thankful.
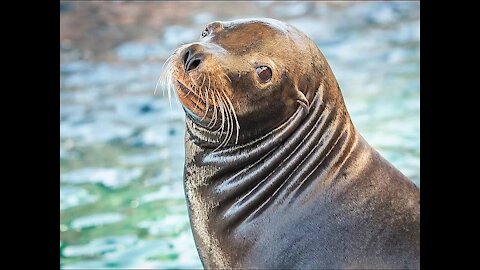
(121, 147)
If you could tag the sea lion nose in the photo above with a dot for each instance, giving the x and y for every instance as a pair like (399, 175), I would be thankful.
(192, 57)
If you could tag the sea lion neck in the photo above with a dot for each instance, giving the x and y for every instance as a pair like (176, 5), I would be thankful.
(236, 184)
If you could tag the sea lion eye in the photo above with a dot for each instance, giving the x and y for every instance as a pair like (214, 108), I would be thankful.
(264, 73)
(205, 32)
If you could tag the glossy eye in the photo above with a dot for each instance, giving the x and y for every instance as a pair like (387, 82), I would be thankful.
(264, 73)
(205, 32)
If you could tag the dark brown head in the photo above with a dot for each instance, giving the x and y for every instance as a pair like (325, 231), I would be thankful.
(245, 77)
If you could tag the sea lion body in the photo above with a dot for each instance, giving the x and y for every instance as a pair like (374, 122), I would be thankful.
(296, 186)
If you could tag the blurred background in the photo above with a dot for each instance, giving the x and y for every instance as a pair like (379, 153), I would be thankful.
(121, 147)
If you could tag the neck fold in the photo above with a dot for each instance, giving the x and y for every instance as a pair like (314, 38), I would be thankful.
(244, 180)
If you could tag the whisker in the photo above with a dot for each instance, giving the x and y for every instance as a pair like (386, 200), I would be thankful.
(232, 110)
(215, 110)
(206, 98)
(215, 114)
(237, 124)
(189, 88)
(230, 120)
(195, 85)
(228, 113)
(166, 78)
(227, 77)
(170, 88)
(222, 126)
(201, 86)
(222, 113)
(223, 108)
(164, 67)
(228, 134)
(216, 107)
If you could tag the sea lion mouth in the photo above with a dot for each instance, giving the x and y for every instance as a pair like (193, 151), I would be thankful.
(207, 103)
(184, 89)
(190, 99)
(205, 96)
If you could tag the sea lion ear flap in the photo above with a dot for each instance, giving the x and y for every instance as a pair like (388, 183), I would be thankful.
(302, 99)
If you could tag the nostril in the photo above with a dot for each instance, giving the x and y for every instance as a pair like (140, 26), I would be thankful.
(193, 64)
(185, 58)
(192, 57)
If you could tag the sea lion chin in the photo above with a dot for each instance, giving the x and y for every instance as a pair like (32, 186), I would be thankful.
(276, 175)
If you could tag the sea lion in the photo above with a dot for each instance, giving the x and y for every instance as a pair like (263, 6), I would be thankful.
(276, 175)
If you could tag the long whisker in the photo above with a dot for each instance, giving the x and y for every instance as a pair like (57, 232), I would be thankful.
(201, 86)
(216, 106)
(166, 78)
(164, 67)
(200, 90)
(196, 89)
(170, 74)
(206, 98)
(229, 119)
(231, 123)
(223, 108)
(195, 86)
(222, 126)
(214, 119)
(215, 114)
(233, 112)
(189, 88)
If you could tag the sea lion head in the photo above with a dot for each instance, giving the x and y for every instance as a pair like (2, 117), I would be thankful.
(245, 77)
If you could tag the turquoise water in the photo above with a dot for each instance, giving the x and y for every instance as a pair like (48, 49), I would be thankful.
(121, 149)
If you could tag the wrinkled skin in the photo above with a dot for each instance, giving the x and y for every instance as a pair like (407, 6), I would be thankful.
(298, 187)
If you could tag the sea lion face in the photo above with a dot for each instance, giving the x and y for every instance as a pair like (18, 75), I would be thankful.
(244, 76)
